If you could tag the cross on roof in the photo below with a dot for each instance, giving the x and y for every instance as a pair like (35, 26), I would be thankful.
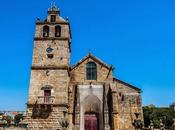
(53, 6)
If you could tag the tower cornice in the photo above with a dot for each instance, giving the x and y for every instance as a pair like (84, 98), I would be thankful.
(50, 23)
(34, 67)
(52, 38)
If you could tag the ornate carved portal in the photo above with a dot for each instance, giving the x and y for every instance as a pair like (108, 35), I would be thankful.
(91, 121)
(91, 107)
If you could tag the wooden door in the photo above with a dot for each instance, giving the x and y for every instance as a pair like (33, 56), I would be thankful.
(91, 122)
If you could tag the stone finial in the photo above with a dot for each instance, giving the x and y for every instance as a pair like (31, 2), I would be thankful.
(38, 20)
(67, 19)
(53, 6)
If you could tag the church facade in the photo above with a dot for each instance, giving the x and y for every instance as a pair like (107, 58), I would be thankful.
(84, 96)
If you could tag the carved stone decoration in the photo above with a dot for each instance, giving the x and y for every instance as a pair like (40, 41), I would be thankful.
(138, 124)
(41, 111)
(49, 50)
(91, 103)
(64, 123)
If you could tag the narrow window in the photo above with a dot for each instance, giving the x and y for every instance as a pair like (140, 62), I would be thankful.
(45, 31)
(91, 71)
(123, 98)
(53, 18)
(58, 31)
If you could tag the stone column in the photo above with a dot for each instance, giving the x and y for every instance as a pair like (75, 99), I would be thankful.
(106, 111)
(115, 125)
(77, 109)
(70, 109)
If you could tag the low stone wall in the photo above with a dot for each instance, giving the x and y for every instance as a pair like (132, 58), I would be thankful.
(13, 128)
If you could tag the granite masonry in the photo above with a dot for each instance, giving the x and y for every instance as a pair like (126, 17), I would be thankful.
(84, 96)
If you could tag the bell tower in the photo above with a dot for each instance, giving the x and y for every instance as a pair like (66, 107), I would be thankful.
(52, 41)
(48, 92)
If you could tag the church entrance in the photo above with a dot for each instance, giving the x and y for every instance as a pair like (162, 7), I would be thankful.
(91, 121)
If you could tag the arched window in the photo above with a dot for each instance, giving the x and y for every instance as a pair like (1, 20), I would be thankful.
(58, 31)
(46, 31)
(91, 71)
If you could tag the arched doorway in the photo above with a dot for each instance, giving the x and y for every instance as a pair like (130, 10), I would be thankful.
(91, 110)
(91, 107)
(91, 121)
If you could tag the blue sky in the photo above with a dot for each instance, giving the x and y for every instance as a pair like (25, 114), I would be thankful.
(136, 36)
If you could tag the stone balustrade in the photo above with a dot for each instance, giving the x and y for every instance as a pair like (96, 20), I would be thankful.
(46, 100)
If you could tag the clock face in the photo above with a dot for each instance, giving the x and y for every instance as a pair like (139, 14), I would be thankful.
(49, 50)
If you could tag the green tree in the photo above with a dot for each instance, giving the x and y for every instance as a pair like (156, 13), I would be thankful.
(9, 119)
(155, 114)
(18, 118)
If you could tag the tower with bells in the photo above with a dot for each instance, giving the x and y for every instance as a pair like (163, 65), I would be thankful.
(48, 93)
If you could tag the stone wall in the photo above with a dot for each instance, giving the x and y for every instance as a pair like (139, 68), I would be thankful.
(78, 74)
(49, 71)
(58, 81)
(60, 52)
(13, 128)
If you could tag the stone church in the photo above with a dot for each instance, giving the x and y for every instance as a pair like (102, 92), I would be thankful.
(83, 96)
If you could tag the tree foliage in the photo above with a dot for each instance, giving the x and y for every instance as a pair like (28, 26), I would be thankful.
(18, 118)
(155, 114)
(8, 119)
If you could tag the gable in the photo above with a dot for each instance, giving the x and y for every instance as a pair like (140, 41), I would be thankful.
(93, 58)
(126, 86)
(78, 71)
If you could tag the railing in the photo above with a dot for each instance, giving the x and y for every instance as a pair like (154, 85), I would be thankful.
(46, 100)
